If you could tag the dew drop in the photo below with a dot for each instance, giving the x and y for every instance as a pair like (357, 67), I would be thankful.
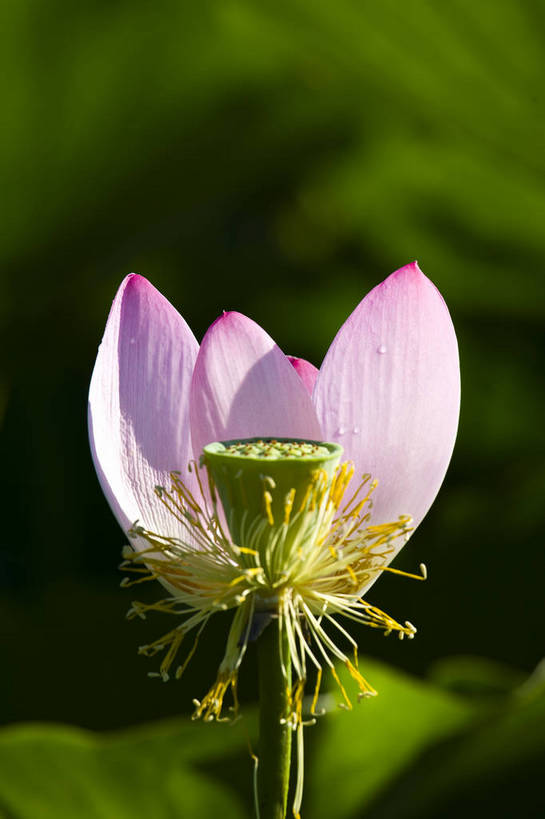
(340, 430)
(356, 431)
(381, 349)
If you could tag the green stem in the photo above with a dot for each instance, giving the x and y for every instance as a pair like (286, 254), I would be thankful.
(274, 737)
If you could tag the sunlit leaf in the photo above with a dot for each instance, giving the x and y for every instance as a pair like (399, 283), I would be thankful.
(496, 765)
(362, 751)
(55, 771)
(418, 751)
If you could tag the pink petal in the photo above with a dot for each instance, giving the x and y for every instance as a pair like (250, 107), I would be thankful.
(389, 392)
(306, 371)
(139, 404)
(244, 386)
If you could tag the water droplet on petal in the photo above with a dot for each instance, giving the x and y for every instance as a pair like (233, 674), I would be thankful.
(340, 431)
(356, 431)
(381, 349)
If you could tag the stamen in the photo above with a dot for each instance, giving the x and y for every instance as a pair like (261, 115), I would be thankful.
(298, 798)
(267, 497)
(366, 690)
(422, 576)
(316, 692)
(347, 702)
(300, 553)
(181, 668)
(288, 506)
(353, 575)
(211, 706)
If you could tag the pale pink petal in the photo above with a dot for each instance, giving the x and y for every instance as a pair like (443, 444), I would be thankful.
(306, 371)
(389, 392)
(244, 386)
(139, 404)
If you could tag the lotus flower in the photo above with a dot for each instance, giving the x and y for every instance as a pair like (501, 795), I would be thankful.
(388, 391)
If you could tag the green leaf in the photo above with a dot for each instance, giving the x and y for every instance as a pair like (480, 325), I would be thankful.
(497, 763)
(55, 771)
(419, 752)
(475, 676)
(360, 752)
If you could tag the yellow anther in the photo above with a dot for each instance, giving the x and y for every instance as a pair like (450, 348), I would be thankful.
(353, 575)
(267, 497)
(288, 505)
(303, 504)
(296, 703)
(171, 653)
(211, 706)
(237, 580)
(365, 688)
(181, 668)
(343, 692)
(314, 491)
(316, 692)
(422, 576)
(355, 513)
(348, 475)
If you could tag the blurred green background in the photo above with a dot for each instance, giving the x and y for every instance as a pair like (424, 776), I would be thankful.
(279, 158)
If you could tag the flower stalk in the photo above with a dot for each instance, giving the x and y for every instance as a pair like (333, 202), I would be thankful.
(273, 774)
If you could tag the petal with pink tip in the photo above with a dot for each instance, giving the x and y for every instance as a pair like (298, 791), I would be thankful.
(139, 404)
(244, 386)
(389, 392)
(306, 371)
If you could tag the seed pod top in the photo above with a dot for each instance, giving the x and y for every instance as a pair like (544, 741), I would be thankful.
(267, 479)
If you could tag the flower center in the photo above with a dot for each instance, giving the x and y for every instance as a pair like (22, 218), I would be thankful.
(272, 492)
